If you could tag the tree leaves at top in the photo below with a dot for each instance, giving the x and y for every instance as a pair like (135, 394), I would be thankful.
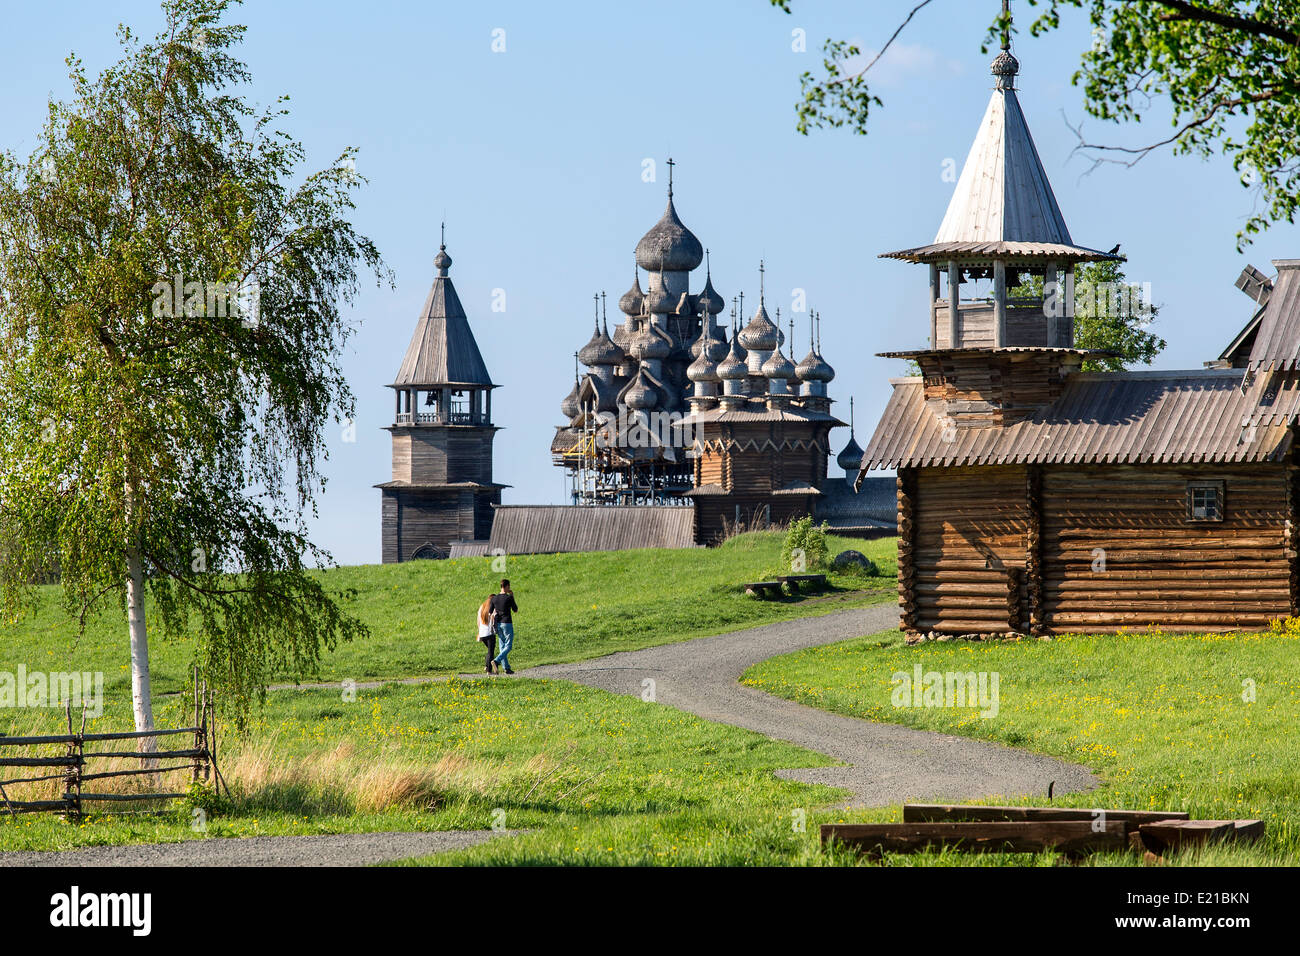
(1225, 72)
(170, 288)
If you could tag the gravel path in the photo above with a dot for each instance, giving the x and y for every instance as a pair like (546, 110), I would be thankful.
(886, 763)
(345, 849)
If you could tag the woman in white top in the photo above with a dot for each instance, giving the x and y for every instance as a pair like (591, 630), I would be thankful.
(487, 634)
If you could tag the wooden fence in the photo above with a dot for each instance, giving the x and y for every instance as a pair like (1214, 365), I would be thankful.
(83, 752)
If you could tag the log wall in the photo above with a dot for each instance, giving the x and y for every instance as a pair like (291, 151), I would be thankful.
(1159, 568)
(969, 533)
(1059, 549)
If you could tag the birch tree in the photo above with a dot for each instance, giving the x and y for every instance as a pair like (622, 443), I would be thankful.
(171, 285)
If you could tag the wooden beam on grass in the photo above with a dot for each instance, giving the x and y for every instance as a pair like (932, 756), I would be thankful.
(939, 813)
(1068, 836)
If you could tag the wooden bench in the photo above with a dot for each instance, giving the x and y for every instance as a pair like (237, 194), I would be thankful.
(792, 581)
(761, 589)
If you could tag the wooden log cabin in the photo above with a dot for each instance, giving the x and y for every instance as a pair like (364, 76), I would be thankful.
(1034, 497)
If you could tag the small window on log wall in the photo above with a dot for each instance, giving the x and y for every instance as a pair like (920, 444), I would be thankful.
(1205, 501)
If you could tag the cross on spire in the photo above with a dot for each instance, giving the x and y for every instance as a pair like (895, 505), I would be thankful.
(671, 164)
(760, 281)
(1006, 25)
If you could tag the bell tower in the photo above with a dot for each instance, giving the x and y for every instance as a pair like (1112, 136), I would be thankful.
(442, 489)
(995, 357)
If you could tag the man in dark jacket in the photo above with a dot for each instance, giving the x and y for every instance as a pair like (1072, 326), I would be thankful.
(503, 606)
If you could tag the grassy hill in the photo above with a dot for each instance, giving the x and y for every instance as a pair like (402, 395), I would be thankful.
(421, 614)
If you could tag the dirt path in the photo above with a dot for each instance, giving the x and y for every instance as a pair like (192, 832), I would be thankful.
(886, 763)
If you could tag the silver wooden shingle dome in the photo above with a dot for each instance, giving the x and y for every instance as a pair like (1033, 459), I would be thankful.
(814, 368)
(569, 407)
(734, 366)
(669, 245)
(632, 300)
(708, 298)
(761, 334)
(650, 343)
(600, 350)
(703, 369)
(640, 394)
(710, 339)
(778, 366)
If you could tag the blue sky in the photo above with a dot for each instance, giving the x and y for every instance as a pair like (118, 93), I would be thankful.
(534, 156)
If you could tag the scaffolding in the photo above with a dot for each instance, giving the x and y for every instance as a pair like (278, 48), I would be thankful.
(599, 474)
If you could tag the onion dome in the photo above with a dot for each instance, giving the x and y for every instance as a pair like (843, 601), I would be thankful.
(633, 299)
(708, 299)
(761, 334)
(650, 343)
(703, 369)
(708, 351)
(442, 261)
(850, 459)
(569, 408)
(601, 350)
(640, 394)
(778, 366)
(1005, 67)
(814, 368)
(657, 300)
(734, 366)
(669, 244)
(709, 342)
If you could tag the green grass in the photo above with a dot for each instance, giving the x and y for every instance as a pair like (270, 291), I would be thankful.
(667, 787)
(421, 614)
(598, 778)
(1159, 717)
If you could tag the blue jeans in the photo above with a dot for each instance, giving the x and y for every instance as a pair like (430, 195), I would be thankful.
(506, 636)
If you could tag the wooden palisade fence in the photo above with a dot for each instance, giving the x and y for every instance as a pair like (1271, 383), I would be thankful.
(82, 751)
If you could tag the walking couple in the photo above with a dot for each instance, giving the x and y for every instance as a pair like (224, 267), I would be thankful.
(495, 621)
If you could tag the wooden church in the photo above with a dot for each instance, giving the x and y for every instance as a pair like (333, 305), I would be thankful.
(442, 489)
(1037, 498)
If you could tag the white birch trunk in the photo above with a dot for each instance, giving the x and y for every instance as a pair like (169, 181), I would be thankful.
(141, 695)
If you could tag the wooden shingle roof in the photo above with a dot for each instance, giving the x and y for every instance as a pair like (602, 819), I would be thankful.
(551, 529)
(1104, 417)
(1003, 205)
(1277, 341)
(442, 350)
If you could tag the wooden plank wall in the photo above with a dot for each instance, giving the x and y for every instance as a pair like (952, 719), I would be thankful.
(976, 391)
(1159, 568)
(993, 549)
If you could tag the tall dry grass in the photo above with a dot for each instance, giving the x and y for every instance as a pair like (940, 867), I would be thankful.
(344, 780)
